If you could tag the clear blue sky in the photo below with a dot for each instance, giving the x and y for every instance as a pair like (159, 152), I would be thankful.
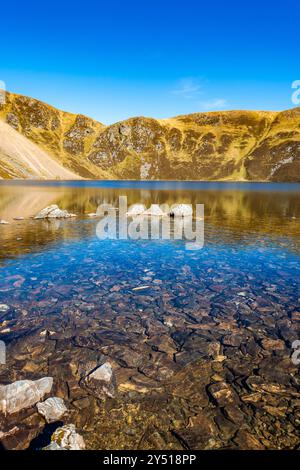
(112, 60)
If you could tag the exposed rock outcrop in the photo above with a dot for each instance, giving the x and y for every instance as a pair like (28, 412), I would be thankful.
(225, 145)
(53, 212)
(23, 394)
(66, 438)
(53, 409)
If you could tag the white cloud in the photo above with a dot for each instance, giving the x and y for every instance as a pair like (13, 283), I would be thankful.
(188, 88)
(217, 103)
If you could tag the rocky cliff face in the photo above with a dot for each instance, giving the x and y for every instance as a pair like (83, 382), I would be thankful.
(228, 145)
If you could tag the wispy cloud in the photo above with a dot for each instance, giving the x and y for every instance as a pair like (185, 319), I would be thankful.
(188, 88)
(216, 103)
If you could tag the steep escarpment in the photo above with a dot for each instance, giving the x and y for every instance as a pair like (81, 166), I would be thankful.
(227, 145)
(64, 136)
(277, 157)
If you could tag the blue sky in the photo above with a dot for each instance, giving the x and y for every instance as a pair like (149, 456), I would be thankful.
(159, 58)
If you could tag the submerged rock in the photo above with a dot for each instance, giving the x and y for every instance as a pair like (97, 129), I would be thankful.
(4, 308)
(53, 212)
(181, 210)
(101, 381)
(52, 409)
(154, 210)
(136, 209)
(222, 393)
(66, 438)
(23, 394)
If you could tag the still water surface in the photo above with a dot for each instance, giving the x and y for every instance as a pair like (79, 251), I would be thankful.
(218, 319)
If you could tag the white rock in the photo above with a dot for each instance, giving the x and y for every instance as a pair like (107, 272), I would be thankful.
(18, 218)
(3, 222)
(53, 212)
(66, 438)
(154, 210)
(101, 381)
(104, 373)
(4, 308)
(181, 210)
(136, 209)
(23, 394)
(52, 409)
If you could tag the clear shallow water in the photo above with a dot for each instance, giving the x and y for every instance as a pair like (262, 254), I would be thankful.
(211, 318)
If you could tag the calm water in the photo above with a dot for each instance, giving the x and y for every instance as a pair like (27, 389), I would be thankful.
(168, 342)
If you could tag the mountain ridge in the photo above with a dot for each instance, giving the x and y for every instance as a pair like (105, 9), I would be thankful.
(233, 145)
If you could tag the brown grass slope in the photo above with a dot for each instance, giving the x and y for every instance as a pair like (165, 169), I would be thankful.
(227, 145)
(23, 159)
(64, 136)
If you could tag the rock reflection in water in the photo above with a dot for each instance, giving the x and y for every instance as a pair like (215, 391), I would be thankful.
(201, 357)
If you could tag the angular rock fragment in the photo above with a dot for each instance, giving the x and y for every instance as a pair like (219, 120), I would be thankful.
(52, 409)
(23, 394)
(101, 381)
(234, 414)
(3, 222)
(222, 393)
(66, 438)
(273, 344)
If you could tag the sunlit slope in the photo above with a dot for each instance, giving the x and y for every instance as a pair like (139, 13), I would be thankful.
(227, 145)
(21, 158)
(66, 137)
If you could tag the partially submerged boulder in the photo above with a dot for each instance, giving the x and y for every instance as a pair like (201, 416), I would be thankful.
(53, 212)
(154, 210)
(181, 210)
(66, 438)
(52, 409)
(3, 222)
(23, 394)
(136, 209)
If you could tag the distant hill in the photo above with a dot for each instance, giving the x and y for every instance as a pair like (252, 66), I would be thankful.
(225, 146)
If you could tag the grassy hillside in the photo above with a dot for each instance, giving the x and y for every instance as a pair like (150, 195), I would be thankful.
(227, 145)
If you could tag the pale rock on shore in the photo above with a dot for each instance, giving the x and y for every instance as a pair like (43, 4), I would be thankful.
(66, 438)
(52, 409)
(23, 394)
